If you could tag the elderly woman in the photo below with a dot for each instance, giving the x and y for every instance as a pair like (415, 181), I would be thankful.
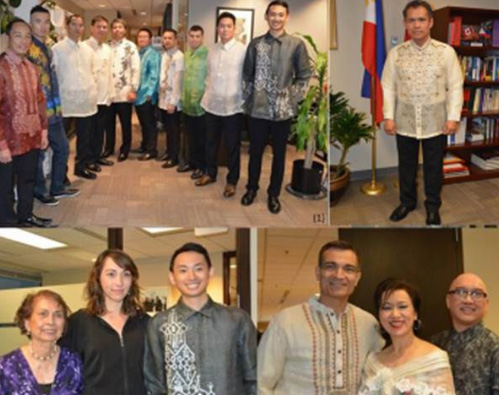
(41, 366)
(109, 333)
(409, 365)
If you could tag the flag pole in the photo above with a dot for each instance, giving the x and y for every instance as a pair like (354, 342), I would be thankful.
(373, 188)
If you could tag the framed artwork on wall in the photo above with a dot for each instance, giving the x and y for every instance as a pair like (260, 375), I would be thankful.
(244, 23)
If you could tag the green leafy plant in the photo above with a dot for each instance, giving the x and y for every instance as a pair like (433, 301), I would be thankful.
(6, 15)
(310, 127)
(347, 128)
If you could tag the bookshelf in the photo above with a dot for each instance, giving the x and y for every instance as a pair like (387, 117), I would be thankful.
(448, 22)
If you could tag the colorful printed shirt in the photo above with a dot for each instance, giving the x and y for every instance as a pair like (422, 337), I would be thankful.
(275, 76)
(16, 377)
(474, 358)
(310, 349)
(126, 69)
(41, 56)
(171, 79)
(194, 81)
(150, 63)
(22, 105)
(207, 352)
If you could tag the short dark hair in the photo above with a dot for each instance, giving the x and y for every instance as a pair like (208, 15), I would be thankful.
(191, 247)
(71, 17)
(25, 311)
(13, 22)
(120, 21)
(417, 4)
(38, 8)
(224, 15)
(145, 29)
(340, 245)
(170, 30)
(196, 28)
(279, 3)
(98, 18)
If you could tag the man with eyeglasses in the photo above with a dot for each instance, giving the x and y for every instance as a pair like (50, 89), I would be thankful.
(320, 346)
(473, 349)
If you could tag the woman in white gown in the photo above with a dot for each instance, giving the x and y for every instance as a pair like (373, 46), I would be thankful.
(409, 365)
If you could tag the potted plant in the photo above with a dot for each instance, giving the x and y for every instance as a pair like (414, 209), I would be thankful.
(310, 129)
(347, 127)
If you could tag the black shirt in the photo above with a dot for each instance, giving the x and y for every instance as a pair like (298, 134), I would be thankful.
(111, 365)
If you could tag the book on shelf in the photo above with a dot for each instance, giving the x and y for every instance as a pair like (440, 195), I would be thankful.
(495, 33)
(487, 160)
(477, 100)
(483, 129)
(451, 158)
(455, 170)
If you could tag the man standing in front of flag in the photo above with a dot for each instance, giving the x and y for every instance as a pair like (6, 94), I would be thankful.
(422, 100)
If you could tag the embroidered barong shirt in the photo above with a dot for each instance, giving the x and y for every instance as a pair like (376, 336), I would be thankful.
(206, 352)
(309, 349)
(171, 79)
(104, 73)
(224, 80)
(194, 81)
(126, 69)
(422, 88)
(474, 358)
(276, 74)
(23, 110)
(150, 64)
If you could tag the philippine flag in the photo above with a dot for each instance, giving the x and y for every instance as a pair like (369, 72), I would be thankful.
(374, 54)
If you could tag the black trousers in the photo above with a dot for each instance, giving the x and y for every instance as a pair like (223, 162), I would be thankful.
(196, 134)
(20, 172)
(433, 156)
(147, 118)
(124, 112)
(101, 125)
(259, 131)
(171, 122)
(230, 127)
(85, 132)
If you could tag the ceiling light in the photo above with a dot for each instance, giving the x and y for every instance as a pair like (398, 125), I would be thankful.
(155, 231)
(102, 6)
(30, 239)
(203, 232)
(143, 13)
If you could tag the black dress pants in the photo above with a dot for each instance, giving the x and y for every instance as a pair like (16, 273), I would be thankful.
(230, 127)
(85, 131)
(433, 156)
(196, 134)
(171, 122)
(124, 112)
(259, 131)
(147, 118)
(101, 125)
(20, 172)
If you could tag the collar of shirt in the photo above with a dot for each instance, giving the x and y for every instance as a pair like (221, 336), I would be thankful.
(94, 42)
(467, 335)
(13, 57)
(144, 49)
(270, 37)
(187, 312)
(314, 302)
(172, 51)
(74, 44)
(197, 51)
(423, 47)
(37, 42)
(228, 45)
(118, 42)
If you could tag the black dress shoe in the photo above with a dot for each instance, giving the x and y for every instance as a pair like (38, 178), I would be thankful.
(47, 200)
(248, 197)
(86, 174)
(105, 162)
(139, 150)
(123, 156)
(196, 174)
(36, 222)
(46, 221)
(433, 218)
(184, 168)
(273, 204)
(107, 154)
(169, 164)
(147, 156)
(400, 213)
(94, 167)
(163, 157)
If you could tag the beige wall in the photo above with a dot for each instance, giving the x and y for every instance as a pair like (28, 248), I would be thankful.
(347, 70)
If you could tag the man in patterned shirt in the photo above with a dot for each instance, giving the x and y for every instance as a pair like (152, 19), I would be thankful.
(422, 100)
(473, 349)
(320, 346)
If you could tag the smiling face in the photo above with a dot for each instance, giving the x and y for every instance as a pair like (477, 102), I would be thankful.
(418, 24)
(277, 17)
(99, 30)
(143, 39)
(195, 39)
(118, 31)
(115, 282)
(191, 274)
(467, 311)
(20, 38)
(40, 24)
(47, 320)
(226, 29)
(397, 313)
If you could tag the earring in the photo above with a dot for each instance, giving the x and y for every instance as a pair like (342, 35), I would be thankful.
(417, 325)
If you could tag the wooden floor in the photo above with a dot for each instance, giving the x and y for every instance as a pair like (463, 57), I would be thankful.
(464, 204)
(134, 193)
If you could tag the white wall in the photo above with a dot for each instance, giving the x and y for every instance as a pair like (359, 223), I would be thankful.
(306, 16)
(347, 70)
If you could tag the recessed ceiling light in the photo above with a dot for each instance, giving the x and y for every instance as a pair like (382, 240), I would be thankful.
(144, 24)
(155, 231)
(102, 6)
(202, 232)
(30, 239)
(143, 13)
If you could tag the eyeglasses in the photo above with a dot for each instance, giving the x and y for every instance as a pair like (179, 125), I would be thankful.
(334, 267)
(475, 294)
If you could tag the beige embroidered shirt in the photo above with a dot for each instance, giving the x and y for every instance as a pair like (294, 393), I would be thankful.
(309, 349)
(171, 79)
(422, 88)
(105, 83)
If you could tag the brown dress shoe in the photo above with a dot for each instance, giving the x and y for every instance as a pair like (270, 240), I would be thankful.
(205, 180)
(230, 190)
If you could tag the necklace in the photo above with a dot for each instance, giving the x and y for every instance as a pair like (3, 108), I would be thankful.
(51, 354)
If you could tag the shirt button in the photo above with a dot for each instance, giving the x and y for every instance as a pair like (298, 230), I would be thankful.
(338, 332)
(339, 351)
(339, 371)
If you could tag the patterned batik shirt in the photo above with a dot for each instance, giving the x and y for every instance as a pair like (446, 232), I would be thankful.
(150, 64)
(275, 76)
(41, 56)
(207, 352)
(194, 81)
(171, 79)
(126, 69)
(310, 349)
(474, 358)
(422, 88)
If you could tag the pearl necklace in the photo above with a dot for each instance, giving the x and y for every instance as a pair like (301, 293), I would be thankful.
(51, 355)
